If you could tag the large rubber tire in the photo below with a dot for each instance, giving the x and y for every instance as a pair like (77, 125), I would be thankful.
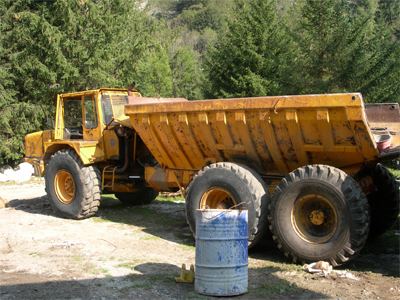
(140, 197)
(73, 189)
(224, 185)
(318, 213)
(384, 202)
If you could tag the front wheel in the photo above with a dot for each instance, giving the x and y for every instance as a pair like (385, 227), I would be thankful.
(230, 185)
(319, 213)
(72, 188)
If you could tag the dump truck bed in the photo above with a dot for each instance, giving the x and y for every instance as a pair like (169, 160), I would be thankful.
(272, 135)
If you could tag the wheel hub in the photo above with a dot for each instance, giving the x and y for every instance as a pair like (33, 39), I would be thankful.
(314, 218)
(64, 186)
(317, 217)
(217, 198)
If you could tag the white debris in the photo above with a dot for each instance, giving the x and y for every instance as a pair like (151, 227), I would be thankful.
(3, 178)
(9, 173)
(324, 268)
(26, 167)
(23, 173)
(345, 274)
(321, 267)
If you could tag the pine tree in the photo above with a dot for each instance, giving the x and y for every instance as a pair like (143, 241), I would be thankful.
(344, 49)
(251, 58)
(186, 74)
(51, 47)
(389, 13)
(155, 74)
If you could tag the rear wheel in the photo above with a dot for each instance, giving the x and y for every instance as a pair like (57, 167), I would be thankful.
(140, 197)
(72, 188)
(319, 213)
(229, 185)
(384, 201)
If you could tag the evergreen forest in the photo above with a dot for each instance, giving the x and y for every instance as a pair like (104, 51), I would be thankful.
(196, 49)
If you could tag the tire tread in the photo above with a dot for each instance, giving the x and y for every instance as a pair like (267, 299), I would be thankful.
(356, 200)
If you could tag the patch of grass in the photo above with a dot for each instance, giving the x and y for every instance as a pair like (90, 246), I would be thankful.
(166, 220)
(78, 258)
(140, 216)
(197, 296)
(163, 278)
(109, 200)
(155, 277)
(186, 247)
(150, 238)
(100, 219)
(269, 269)
(291, 268)
(396, 173)
(137, 285)
(129, 265)
(170, 200)
(108, 196)
(274, 288)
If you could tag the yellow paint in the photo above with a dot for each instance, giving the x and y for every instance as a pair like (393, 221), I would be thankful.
(90, 147)
(111, 145)
(34, 145)
(273, 135)
(162, 180)
(186, 277)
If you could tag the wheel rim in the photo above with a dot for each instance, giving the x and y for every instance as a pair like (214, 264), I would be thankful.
(217, 198)
(64, 186)
(314, 218)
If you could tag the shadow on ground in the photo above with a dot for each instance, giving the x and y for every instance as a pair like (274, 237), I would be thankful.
(166, 220)
(150, 281)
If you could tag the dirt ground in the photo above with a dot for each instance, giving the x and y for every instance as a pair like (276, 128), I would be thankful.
(135, 253)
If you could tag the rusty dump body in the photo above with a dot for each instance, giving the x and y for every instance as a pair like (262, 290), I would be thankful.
(271, 135)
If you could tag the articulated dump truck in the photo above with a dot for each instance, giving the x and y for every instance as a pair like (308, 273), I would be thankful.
(307, 168)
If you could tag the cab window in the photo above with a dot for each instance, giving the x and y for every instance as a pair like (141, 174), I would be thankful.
(90, 112)
(73, 113)
(107, 110)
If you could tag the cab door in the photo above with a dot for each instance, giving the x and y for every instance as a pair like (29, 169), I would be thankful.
(91, 128)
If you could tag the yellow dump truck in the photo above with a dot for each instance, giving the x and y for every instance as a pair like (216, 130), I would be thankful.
(318, 156)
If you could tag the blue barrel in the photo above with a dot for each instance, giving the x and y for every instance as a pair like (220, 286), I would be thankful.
(221, 252)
